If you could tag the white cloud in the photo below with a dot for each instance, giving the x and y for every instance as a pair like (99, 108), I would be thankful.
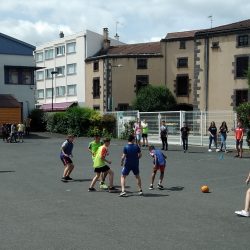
(40, 21)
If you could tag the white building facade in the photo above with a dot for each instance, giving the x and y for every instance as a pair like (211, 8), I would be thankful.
(60, 81)
(17, 68)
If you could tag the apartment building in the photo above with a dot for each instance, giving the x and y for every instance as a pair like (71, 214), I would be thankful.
(222, 57)
(206, 69)
(116, 73)
(17, 68)
(178, 52)
(61, 79)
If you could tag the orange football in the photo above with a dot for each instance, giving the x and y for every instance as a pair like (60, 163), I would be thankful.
(204, 189)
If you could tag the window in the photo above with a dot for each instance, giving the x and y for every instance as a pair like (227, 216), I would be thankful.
(60, 50)
(39, 56)
(182, 85)
(122, 106)
(71, 69)
(142, 63)
(96, 88)
(19, 75)
(96, 66)
(60, 71)
(71, 47)
(49, 93)
(39, 75)
(182, 62)
(243, 40)
(182, 44)
(27, 76)
(141, 81)
(48, 74)
(241, 96)
(241, 66)
(40, 94)
(60, 91)
(71, 90)
(49, 54)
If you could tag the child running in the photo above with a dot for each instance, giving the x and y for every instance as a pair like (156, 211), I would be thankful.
(93, 147)
(131, 155)
(159, 164)
(100, 166)
(66, 155)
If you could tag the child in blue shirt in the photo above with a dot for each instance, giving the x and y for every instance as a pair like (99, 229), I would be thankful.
(159, 164)
(131, 155)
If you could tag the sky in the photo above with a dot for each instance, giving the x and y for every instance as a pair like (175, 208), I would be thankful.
(136, 21)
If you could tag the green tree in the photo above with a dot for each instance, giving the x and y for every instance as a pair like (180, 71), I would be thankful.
(154, 98)
(243, 113)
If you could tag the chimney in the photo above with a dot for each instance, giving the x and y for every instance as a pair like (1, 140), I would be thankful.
(106, 41)
(117, 37)
(61, 35)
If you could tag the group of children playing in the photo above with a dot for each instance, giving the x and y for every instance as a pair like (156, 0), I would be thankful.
(129, 162)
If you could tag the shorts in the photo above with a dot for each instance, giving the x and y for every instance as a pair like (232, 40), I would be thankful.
(239, 143)
(138, 137)
(159, 167)
(144, 135)
(126, 170)
(66, 160)
(102, 169)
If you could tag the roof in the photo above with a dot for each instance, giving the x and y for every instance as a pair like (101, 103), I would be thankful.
(130, 50)
(12, 46)
(8, 101)
(228, 28)
(183, 34)
(56, 106)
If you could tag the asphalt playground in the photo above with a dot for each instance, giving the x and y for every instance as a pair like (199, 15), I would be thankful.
(38, 211)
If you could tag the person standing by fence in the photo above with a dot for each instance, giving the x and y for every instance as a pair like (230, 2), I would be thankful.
(144, 133)
(223, 135)
(184, 136)
(239, 134)
(212, 136)
(164, 135)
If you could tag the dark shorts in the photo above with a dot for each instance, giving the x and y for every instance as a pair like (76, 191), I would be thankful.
(102, 169)
(239, 143)
(144, 135)
(66, 160)
(159, 167)
(126, 170)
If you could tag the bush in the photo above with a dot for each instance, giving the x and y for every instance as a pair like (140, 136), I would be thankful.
(128, 130)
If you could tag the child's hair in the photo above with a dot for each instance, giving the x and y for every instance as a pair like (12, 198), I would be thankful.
(131, 138)
(70, 136)
(106, 140)
(151, 147)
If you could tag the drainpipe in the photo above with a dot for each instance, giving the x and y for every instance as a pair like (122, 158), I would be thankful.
(206, 71)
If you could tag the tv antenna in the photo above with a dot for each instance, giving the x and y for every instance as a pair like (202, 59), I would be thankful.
(211, 20)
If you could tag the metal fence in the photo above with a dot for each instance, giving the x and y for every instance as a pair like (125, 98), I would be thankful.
(198, 122)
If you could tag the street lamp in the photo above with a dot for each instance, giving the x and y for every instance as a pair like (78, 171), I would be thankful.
(52, 74)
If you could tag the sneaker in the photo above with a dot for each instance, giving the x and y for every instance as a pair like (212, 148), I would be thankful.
(218, 150)
(243, 213)
(159, 186)
(123, 194)
(92, 189)
(68, 178)
(103, 186)
(226, 151)
(140, 193)
(112, 189)
(236, 156)
(63, 179)
(151, 187)
(210, 150)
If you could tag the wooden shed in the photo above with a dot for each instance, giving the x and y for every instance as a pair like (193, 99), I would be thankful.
(10, 109)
